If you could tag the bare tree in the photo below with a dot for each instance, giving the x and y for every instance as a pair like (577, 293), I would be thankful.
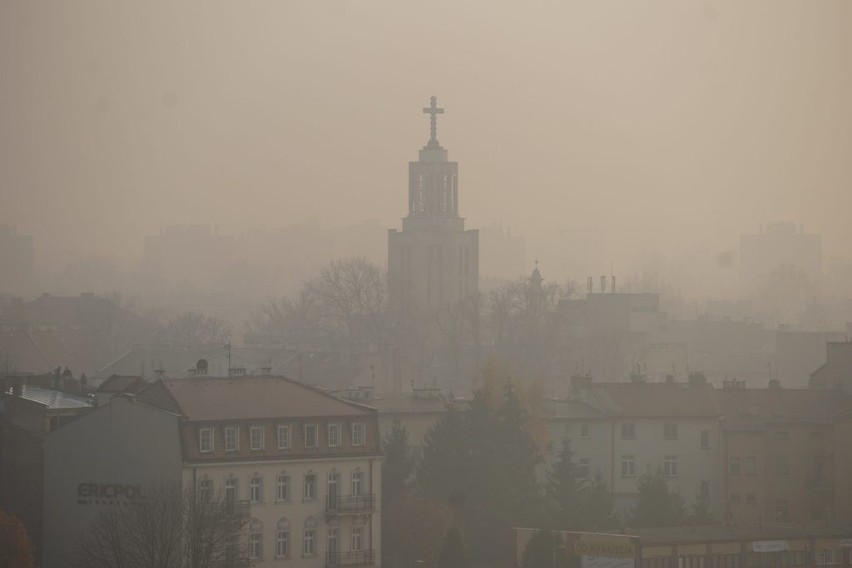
(172, 527)
(195, 328)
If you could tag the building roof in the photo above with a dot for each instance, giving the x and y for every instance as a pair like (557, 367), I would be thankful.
(54, 399)
(745, 408)
(653, 400)
(572, 409)
(246, 397)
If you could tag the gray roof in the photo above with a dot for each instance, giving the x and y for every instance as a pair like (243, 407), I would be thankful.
(54, 399)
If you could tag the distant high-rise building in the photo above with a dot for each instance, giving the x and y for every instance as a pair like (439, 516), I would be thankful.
(433, 262)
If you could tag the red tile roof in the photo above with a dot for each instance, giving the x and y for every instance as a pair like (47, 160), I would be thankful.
(254, 397)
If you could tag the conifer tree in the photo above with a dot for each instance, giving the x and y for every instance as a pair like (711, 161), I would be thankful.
(563, 491)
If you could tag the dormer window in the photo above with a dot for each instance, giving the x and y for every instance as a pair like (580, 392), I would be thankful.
(205, 440)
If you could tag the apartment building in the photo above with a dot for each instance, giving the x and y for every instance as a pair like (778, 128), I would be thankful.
(779, 452)
(306, 466)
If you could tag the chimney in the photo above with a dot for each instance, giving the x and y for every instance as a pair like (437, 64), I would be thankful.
(669, 379)
(774, 384)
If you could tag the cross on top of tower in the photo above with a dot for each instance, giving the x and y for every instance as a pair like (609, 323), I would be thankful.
(434, 111)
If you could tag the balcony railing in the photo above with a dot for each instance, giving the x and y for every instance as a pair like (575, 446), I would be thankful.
(350, 504)
(351, 558)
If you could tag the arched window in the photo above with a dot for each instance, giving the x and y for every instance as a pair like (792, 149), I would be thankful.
(255, 540)
(283, 487)
(309, 541)
(256, 488)
(357, 482)
(205, 489)
(282, 539)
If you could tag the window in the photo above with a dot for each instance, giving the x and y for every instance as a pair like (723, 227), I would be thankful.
(256, 489)
(670, 466)
(205, 489)
(310, 486)
(584, 430)
(782, 435)
(750, 498)
(583, 468)
(333, 545)
(333, 479)
(255, 540)
(310, 435)
(309, 543)
(705, 440)
(628, 431)
(734, 466)
(782, 465)
(669, 431)
(357, 538)
(735, 498)
(704, 490)
(231, 438)
(256, 437)
(357, 482)
(333, 435)
(358, 429)
(628, 466)
(282, 539)
(231, 489)
(283, 492)
(283, 437)
(751, 465)
(205, 440)
(782, 510)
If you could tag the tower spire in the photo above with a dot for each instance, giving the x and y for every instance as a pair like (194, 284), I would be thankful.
(434, 111)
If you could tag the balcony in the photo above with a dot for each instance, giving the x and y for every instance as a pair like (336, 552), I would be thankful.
(350, 504)
(351, 558)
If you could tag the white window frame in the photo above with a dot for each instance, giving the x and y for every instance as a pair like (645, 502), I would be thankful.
(255, 543)
(284, 440)
(628, 459)
(356, 543)
(256, 489)
(282, 536)
(584, 431)
(252, 431)
(312, 427)
(670, 466)
(670, 431)
(205, 489)
(202, 447)
(233, 482)
(312, 495)
(704, 440)
(358, 482)
(334, 434)
(735, 466)
(282, 481)
(628, 430)
(235, 430)
(750, 465)
(309, 542)
(359, 434)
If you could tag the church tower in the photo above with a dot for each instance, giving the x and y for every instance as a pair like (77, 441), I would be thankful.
(433, 262)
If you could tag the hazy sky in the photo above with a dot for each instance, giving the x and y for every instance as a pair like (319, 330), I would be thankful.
(662, 122)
